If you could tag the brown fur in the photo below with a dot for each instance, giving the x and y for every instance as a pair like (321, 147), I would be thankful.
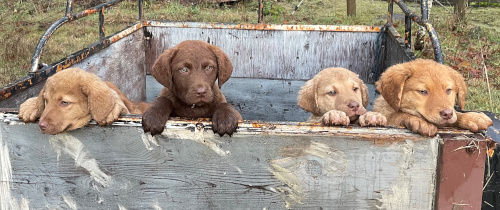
(71, 98)
(188, 73)
(420, 95)
(336, 96)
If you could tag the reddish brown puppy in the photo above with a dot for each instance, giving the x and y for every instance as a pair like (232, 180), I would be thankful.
(188, 73)
(420, 95)
(72, 97)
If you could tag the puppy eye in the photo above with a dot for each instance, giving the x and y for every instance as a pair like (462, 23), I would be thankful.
(332, 93)
(183, 70)
(423, 92)
(209, 68)
(355, 89)
(448, 91)
(65, 103)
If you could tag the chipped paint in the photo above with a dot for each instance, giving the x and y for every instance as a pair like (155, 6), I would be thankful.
(71, 146)
(120, 207)
(6, 176)
(315, 164)
(148, 139)
(70, 202)
(199, 136)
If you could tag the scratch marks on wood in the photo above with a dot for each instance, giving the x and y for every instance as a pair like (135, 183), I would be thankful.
(70, 202)
(305, 168)
(70, 145)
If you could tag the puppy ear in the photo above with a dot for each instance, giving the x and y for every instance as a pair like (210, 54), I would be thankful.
(462, 88)
(162, 70)
(364, 94)
(307, 98)
(391, 83)
(102, 100)
(224, 66)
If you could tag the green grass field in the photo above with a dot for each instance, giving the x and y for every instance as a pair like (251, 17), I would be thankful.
(471, 47)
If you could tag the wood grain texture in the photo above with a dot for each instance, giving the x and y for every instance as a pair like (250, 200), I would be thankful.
(273, 167)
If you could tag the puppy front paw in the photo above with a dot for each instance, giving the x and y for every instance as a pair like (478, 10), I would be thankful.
(474, 121)
(335, 117)
(29, 111)
(225, 119)
(372, 119)
(153, 122)
(420, 126)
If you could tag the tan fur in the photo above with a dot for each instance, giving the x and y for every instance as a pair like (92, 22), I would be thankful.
(420, 95)
(71, 98)
(186, 70)
(330, 97)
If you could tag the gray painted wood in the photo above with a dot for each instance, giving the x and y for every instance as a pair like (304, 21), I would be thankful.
(273, 166)
(276, 54)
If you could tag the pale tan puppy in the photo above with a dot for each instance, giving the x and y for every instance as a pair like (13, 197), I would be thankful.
(71, 98)
(420, 95)
(336, 96)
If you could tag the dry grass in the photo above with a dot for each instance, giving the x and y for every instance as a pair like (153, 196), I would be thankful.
(470, 47)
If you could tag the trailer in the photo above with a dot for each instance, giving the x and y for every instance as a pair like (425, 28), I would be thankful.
(275, 160)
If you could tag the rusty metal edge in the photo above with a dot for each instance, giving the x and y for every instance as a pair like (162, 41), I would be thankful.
(333, 28)
(379, 135)
(34, 78)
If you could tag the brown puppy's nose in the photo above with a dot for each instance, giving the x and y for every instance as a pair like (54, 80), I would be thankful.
(354, 106)
(201, 92)
(446, 114)
(43, 125)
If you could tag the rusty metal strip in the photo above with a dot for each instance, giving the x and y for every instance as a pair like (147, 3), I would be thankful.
(42, 74)
(355, 28)
(67, 18)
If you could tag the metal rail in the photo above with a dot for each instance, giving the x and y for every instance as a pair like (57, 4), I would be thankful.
(423, 21)
(69, 17)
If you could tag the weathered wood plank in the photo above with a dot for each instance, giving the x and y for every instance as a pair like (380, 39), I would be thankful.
(276, 166)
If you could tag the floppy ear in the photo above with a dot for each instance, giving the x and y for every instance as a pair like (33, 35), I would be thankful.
(391, 83)
(364, 94)
(162, 70)
(307, 98)
(101, 98)
(462, 88)
(224, 66)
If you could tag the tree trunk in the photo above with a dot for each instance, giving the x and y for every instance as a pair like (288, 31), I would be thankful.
(459, 10)
(351, 7)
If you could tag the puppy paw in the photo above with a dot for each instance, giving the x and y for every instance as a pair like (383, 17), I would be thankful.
(474, 121)
(335, 117)
(153, 122)
(372, 119)
(29, 111)
(420, 126)
(225, 119)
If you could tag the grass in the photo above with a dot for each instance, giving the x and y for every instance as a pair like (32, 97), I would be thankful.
(469, 47)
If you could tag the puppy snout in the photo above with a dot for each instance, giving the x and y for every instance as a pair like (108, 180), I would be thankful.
(201, 92)
(354, 106)
(43, 125)
(446, 114)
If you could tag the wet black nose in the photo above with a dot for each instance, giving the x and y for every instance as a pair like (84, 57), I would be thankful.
(446, 114)
(354, 106)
